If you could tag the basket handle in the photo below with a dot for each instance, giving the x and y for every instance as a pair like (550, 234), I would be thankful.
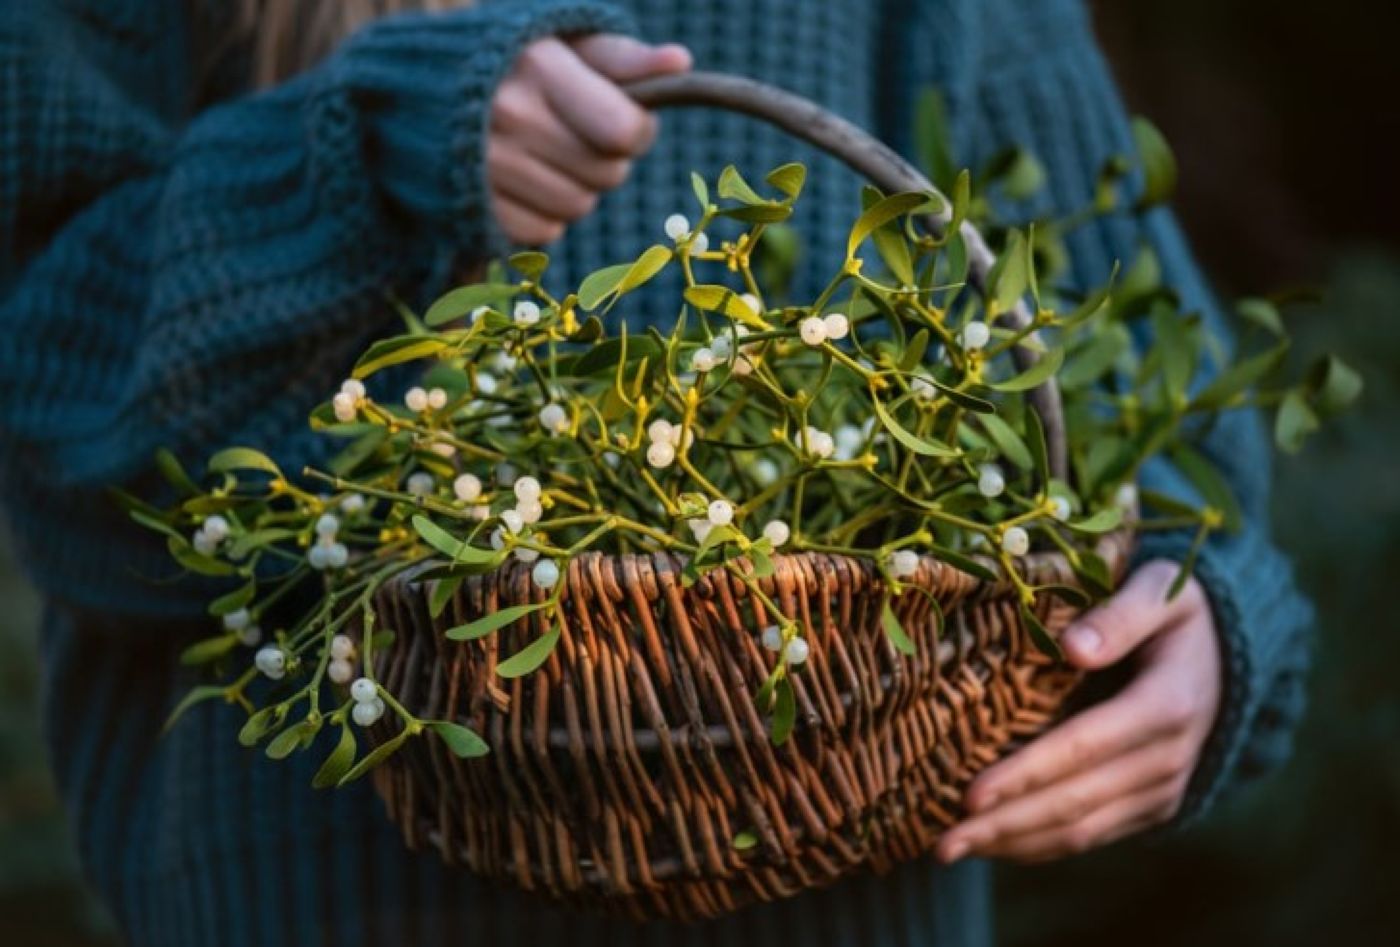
(880, 165)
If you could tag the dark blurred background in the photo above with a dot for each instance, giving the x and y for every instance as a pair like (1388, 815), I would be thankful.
(1284, 119)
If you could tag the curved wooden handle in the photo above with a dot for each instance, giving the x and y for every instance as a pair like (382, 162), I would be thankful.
(881, 166)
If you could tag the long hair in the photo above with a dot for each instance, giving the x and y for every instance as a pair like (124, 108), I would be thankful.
(284, 37)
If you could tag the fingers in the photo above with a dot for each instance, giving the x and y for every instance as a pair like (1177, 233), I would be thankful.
(1108, 633)
(519, 115)
(534, 185)
(1149, 708)
(1115, 820)
(562, 132)
(525, 226)
(1069, 801)
(624, 59)
(589, 103)
(1112, 769)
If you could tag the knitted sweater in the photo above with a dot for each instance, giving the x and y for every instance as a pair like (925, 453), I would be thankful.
(189, 278)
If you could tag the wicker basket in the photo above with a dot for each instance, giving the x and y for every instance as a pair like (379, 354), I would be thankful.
(633, 772)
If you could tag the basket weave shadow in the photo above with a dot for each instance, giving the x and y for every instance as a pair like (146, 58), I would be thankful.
(623, 770)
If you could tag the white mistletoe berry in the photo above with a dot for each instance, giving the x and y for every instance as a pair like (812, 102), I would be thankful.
(660, 431)
(1126, 497)
(531, 511)
(527, 313)
(486, 383)
(216, 528)
(443, 449)
(990, 480)
(554, 419)
(700, 528)
(721, 513)
(327, 525)
(367, 714)
(677, 226)
(318, 557)
(337, 556)
(477, 314)
(416, 399)
(271, 661)
(353, 387)
(340, 670)
(777, 532)
(527, 489)
(420, 484)
(364, 691)
(904, 563)
(700, 243)
(772, 638)
(343, 404)
(545, 573)
(437, 399)
(976, 335)
(813, 330)
(1016, 541)
(352, 504)
(498, 538)
(837, 325)
(796, 651)
(661, 454)
(1060, 508)
(480, 511)
(721, 347)
(923, 388)
(237, 620)
(512, 521)
(343, 647)
(703, 360)
(525, 555)
(250, 636)
(765, 471)
(467, 487)
(203, 543)
(818, 442)
(755, 307)
(849, 440)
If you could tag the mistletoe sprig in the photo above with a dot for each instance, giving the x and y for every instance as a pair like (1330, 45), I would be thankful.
(886, 419)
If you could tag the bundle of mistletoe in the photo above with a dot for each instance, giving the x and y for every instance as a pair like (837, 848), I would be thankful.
(887, 419)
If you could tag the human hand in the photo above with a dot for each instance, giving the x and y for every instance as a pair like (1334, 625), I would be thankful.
(1122, 765)
(562, 132)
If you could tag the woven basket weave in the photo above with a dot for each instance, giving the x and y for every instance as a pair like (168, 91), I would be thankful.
(633, 772)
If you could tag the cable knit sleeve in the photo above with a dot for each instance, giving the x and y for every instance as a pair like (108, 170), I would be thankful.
(1037, 80)
(205, 283)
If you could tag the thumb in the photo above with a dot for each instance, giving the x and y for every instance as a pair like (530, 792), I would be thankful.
(1140, 609)
(624, 59)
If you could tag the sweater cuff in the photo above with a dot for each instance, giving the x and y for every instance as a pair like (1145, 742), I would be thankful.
(1262, 625)
(423, 85)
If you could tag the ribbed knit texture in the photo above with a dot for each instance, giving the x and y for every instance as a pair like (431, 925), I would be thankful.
(194, 281)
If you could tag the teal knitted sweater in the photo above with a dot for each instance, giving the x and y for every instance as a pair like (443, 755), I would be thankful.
(194, 275)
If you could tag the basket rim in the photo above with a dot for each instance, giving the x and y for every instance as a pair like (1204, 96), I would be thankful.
(1115, 547)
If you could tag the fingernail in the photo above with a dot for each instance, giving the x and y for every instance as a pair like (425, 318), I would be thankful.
(1084, 638)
